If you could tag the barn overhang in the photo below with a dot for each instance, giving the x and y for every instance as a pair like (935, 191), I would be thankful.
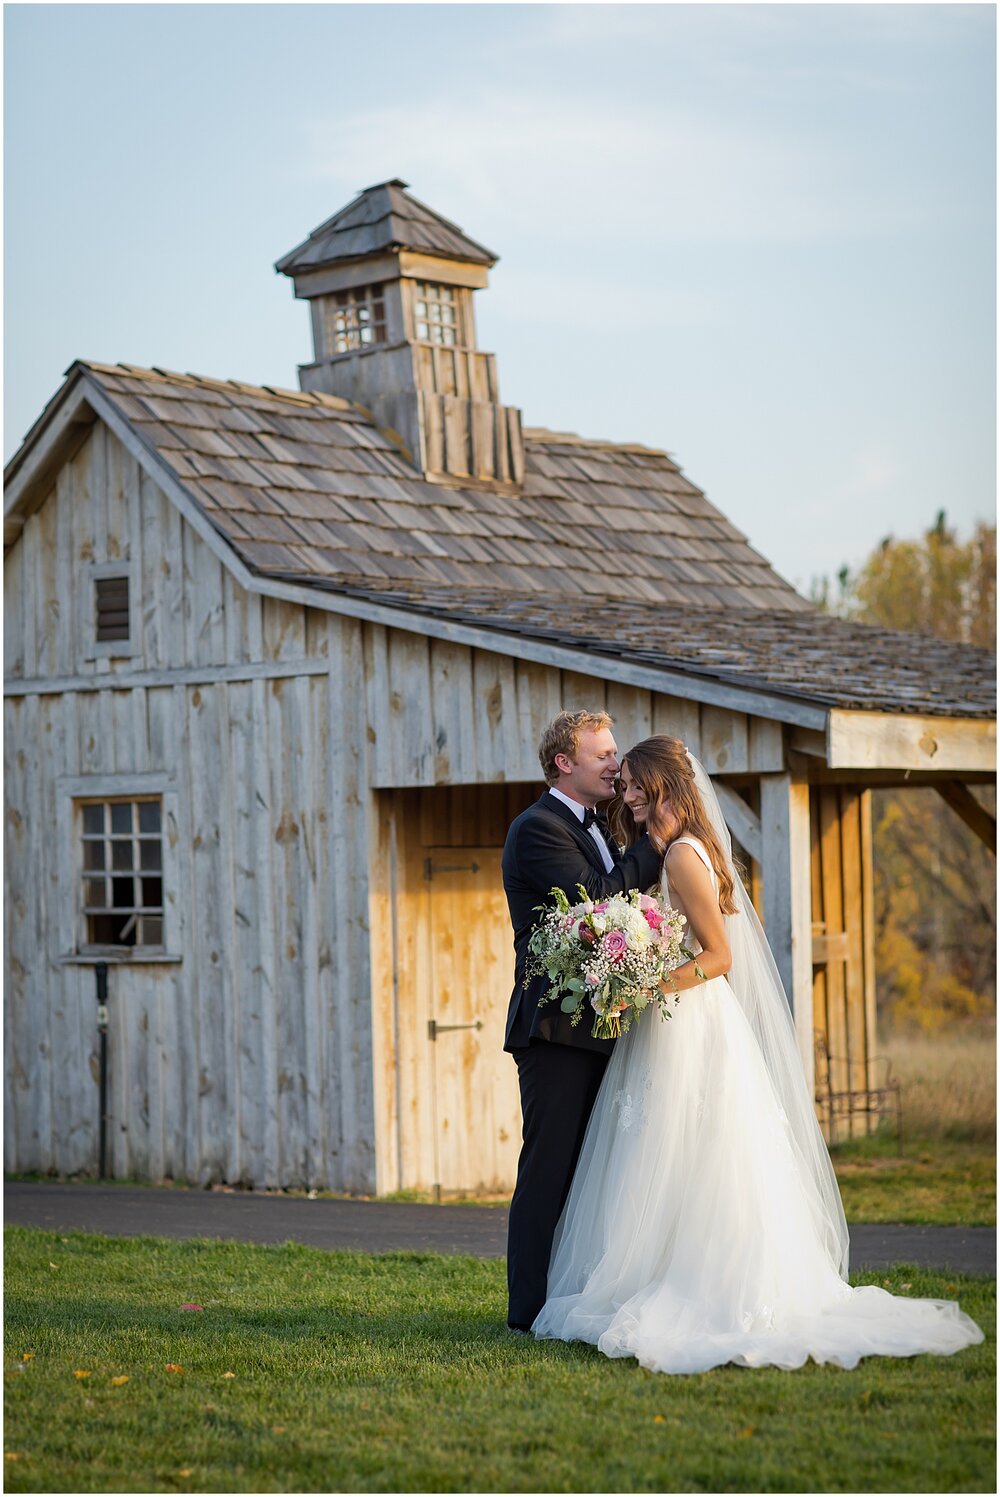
(908, 741)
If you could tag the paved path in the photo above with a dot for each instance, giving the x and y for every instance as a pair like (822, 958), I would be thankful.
(384, 1226)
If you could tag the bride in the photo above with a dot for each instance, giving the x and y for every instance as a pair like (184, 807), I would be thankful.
(704, 1224)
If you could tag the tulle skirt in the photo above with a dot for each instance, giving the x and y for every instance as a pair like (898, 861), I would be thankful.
(692, 1235)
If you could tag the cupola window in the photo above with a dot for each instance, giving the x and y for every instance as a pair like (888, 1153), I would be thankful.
(355, 318)
(436, 313)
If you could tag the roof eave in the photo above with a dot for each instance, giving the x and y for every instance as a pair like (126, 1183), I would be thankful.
(53, 440)
(290, 266)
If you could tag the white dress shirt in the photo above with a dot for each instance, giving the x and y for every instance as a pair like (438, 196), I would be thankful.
(593, 829)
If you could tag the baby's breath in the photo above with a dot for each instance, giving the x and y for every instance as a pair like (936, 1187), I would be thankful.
(609, 955)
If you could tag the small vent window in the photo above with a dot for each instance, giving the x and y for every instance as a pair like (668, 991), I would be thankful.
(112, 608)
(122, 872)
(356, 318)
(436, 314)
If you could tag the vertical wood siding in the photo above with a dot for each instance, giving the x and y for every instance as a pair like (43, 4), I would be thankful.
(440, 713)
(249, 1059)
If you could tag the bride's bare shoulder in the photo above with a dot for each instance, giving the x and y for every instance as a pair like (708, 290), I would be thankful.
(685, 861)
(688, 848)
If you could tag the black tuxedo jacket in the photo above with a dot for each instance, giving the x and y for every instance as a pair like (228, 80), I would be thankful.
(548, 848)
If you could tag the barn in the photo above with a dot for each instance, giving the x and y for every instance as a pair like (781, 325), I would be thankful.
(276, 663)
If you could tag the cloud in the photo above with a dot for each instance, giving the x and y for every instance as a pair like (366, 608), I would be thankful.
(613, 171)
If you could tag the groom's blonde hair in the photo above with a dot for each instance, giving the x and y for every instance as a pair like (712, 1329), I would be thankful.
(562, 736)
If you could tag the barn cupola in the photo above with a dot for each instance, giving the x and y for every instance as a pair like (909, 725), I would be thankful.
(390, 285)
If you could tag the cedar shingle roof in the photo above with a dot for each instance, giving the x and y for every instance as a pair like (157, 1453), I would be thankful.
(384, 217)
(306, 489)
(809, 656)
(305, 485)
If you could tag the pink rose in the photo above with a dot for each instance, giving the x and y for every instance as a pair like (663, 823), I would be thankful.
(614, 946)
(600, 908)
(653, 918)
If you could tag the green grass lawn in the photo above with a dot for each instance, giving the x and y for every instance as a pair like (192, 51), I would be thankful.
(313, 1371)
(941, 1181)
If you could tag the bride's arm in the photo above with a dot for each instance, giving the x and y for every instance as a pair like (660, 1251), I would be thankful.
(690, 879)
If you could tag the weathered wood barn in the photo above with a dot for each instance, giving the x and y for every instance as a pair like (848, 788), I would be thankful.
(276, 666)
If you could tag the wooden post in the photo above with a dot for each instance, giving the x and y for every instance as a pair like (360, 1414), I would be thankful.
(350, 1083)
(784, 821)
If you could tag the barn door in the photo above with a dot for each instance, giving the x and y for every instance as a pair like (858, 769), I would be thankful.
(476, 1111)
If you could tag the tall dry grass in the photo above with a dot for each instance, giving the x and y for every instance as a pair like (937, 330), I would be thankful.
(948, 1080)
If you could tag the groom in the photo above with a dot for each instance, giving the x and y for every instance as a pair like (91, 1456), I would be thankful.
(558, 842)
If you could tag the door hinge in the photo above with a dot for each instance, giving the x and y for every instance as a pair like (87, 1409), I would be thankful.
(434, 1028)
(430, 868)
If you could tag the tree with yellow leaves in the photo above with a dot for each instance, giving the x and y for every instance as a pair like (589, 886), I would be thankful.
(935, 900)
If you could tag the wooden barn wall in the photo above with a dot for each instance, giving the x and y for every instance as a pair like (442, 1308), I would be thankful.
(441, 713)
(248, 1057)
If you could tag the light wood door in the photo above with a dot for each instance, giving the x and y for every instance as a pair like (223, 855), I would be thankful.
(476, 1109)
(843, 953)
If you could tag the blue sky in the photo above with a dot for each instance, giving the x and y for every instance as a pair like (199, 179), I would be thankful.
(759, 236)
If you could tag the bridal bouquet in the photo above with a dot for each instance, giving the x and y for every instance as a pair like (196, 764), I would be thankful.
(610, 955)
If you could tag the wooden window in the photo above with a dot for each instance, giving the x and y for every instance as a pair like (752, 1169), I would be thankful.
(122, 872)
(435, 314)
(355, 318)
(112, 605)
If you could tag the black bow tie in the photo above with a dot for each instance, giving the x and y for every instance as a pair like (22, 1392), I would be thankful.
(592, 818)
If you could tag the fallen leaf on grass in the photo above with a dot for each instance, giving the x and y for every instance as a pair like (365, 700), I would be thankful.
(277, 1429)
(744, 1434)
(12, 1455)
(659, 1419)
(186, 1471)
(906, 1286)
(29, 1356)
(229, 1374)
(119, 1382)
(174, 1367)
(952, 1287)
(53, 1265)
(192, 1307)
(81, 1372)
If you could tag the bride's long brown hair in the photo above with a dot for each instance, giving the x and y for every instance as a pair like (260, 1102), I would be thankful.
(663, 772)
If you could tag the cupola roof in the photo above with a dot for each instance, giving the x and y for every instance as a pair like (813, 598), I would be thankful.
(383, 217)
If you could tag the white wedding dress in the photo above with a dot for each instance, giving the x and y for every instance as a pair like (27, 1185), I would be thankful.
(701, 1227)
